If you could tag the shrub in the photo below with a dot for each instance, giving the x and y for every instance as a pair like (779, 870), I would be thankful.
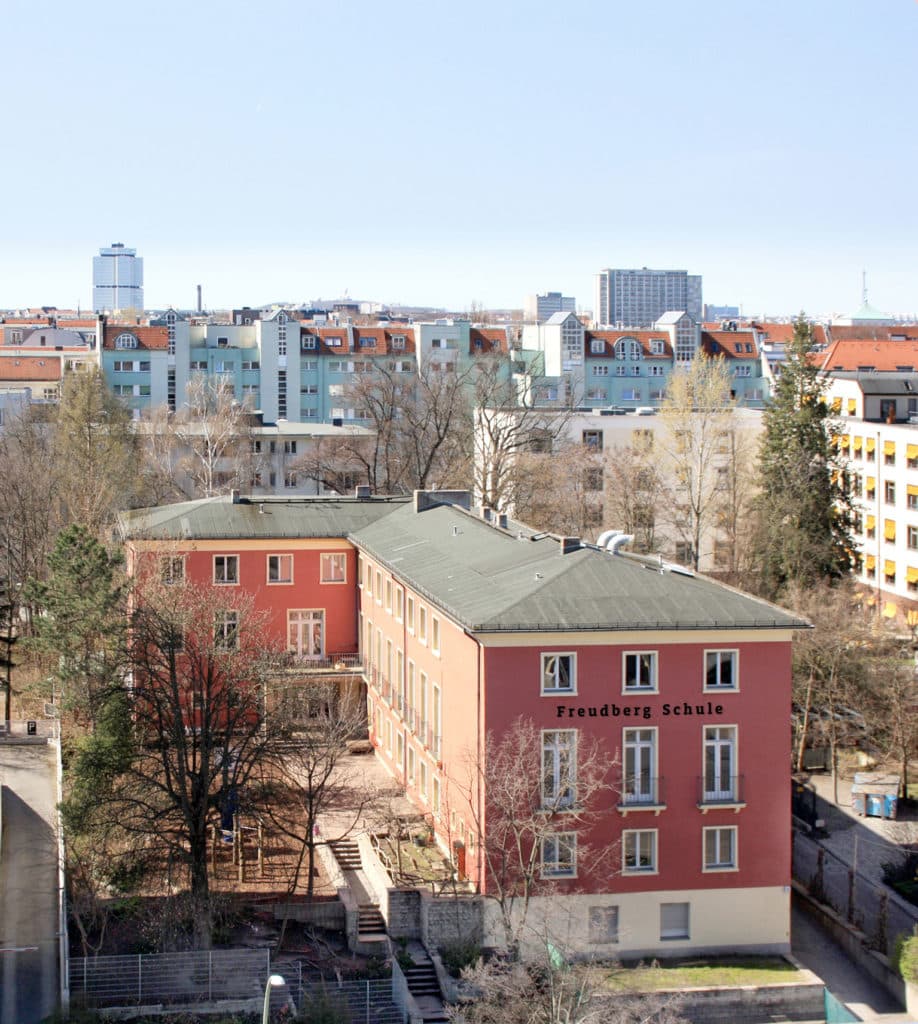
(458, 955)
(906, 955)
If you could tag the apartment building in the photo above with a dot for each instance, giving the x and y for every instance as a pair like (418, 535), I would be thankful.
(459, 622)
(638, 298)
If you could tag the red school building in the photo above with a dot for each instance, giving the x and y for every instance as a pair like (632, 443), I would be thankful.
(460, 626)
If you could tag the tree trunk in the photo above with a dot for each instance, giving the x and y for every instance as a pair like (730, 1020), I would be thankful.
(200, 893)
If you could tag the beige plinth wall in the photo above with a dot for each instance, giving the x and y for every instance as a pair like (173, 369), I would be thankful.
(720, 920)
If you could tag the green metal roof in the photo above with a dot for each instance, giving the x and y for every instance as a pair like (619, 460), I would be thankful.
(493, 580)
(219, 518)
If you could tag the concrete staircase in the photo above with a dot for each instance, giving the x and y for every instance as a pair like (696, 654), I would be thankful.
(370, 923)
(424, 987)
(347, 854)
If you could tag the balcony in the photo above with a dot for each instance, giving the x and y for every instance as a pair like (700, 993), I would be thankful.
(290, 663)
(721, 793)
(641, 793)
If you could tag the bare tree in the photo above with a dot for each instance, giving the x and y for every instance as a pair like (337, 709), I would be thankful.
(212, 438)
(738, 487)
(561, 491)
(507, 426)
(312, 776)
(633, 496)
(200, 669)
(538, 789)
(893, 698)
(696, 411)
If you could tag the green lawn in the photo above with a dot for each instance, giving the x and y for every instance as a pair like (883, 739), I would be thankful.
(682, 974)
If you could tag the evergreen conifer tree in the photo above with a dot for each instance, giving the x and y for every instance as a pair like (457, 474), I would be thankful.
(805, 517)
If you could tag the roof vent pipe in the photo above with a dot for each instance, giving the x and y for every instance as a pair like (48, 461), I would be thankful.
(619, 542)
(603, 539)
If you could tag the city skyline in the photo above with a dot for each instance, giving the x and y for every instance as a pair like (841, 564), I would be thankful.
(441, 157)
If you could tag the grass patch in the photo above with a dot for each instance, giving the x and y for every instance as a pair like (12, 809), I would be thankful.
(731, 972)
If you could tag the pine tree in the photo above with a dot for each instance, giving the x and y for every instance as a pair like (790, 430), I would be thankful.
(84, 622)
(804, 530)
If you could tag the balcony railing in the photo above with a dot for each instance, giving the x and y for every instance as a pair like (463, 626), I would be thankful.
(289, 661)
(641, 791)
(721, 790)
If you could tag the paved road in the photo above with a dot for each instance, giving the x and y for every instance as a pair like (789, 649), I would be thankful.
(28, 884)
(817, 950)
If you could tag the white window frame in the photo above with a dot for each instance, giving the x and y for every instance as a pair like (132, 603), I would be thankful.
(717, 832)
(553, 691)
(719, 653)
(654, 686)
(714, 793)
(328, 559)
(171, 569)
(562, 791)
(279, 582)
(632, 841)
(633, 747)
(226, 582)
(377, 587)
(435, 635)
(226, 630)
(422, 624)
(559, 866)
(399, 603)
(388, 586)
(409, 614)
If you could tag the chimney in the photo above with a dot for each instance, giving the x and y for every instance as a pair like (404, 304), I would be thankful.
(363, 491)
(234, 495)
(569, 544)
(486, 513)
(502, 520)
(200, 307)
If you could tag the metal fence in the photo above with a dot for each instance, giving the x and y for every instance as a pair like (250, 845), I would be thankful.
(169, 978)
(881, 914)
(174, 979)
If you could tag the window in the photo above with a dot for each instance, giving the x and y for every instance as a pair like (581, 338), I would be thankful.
(410, 615)
(889, 492)
(309, 342)
(559, 855)
(226, 630)
(657, 347)
(435, 634)
(720, 764)
(125, 341)
(601, 371)
(913, 538)
(280, 568)
(226, 569)
(398, 342)
(720, 670)
(639, 785)
(639, 851)
(333, 567)
(913, 500)
(559, 767)
(377, 590)
(435, 796)
(597, 346)
(423, 785)
(306, 632)
(389, 595)
(640, 671)
(720, 848)
(593, 439)
(290, 479)
(290, 447)
(399, 604)
(674, 921)
(603, 925)
(411, 763)
(558, 674)
(422, 624)
(172, 569)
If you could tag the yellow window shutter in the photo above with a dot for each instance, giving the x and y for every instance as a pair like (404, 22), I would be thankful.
(889, 529)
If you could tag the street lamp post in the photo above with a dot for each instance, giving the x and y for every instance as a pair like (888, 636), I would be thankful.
(275, 981)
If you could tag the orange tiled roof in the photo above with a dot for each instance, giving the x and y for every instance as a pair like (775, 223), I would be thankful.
(879, 355)
(852, 332)
(150, 338)
(643, 338)
(492, 339)
(784, 333)
(723, 343)
(31, 368)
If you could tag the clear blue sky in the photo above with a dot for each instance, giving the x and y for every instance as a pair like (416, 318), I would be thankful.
(445, 153)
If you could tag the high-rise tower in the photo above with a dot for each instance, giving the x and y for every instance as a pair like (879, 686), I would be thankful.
(117, 279)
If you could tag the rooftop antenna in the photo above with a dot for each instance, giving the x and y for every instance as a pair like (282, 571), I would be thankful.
(864, 286)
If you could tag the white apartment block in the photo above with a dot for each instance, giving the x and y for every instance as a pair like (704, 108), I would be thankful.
(638, 298)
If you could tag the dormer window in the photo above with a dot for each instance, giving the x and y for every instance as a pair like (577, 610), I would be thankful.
(597, 346)
(398, 342)
(125, 341)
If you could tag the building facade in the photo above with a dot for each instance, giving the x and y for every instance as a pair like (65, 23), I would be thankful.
(638, 298)
(117, 280)
(462, 622)
(539, 308)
